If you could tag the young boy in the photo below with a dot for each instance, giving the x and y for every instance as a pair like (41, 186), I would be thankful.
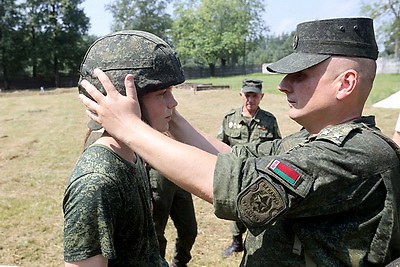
(107, 202)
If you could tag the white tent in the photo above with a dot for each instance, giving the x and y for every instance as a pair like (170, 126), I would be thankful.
(392, 101)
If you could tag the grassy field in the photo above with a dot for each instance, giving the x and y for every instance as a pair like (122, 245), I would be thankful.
(41, 137)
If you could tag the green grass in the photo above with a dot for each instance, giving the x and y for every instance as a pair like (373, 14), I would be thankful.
(270, 81)
(385, 84)
(41, 137)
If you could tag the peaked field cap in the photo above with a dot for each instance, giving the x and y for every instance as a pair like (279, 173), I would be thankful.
(150, 59)
(316, 41)
(252, 85)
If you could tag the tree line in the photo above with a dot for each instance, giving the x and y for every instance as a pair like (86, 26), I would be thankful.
(48, 39)
(41, 38)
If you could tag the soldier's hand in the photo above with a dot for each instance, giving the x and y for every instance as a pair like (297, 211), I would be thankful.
(114, 111)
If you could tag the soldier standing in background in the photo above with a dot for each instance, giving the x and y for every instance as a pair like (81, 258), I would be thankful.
(169, 200)
(247, 124)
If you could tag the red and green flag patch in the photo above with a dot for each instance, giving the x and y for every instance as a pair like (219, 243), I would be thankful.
(285, 172)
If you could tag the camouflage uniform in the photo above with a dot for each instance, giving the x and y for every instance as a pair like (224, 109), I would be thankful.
(331, 197)
(114, 218)
(171, 200)
(107, 203)
(238, 129)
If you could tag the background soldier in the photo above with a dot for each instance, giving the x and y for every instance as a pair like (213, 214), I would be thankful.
(247, 124)
(169, 200)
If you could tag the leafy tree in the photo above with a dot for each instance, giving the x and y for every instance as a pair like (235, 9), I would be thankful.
(12, 49)
(56, 30)
(272, 48)
(389, 12)
(145, 15)
(217, 31)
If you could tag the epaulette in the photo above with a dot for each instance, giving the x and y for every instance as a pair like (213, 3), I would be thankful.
(336, 133)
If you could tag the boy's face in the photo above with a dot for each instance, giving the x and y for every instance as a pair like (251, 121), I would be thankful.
(158, 108)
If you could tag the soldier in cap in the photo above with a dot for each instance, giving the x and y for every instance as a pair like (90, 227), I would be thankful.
(171, 201)
(247, 124)
(107, 201)
(327, 195)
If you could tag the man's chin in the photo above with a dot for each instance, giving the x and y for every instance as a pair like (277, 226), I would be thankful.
(292, 113)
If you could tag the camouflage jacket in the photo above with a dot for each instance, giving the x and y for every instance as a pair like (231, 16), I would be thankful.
(237, 129)
(333, 196)
(107, 211)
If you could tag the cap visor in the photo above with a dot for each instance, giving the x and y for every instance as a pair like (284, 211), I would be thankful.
(296, 62)
(251, 89)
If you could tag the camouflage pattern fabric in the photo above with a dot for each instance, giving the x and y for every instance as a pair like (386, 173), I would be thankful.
(237, 129)
(337, 192)
(107, 211)
(316, 41)
(150, 59)
(169, 200)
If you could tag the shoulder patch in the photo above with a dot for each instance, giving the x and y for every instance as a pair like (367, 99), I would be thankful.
(259, 203)
(286, 173)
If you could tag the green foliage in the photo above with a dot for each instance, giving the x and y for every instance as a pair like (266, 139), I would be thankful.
(384, 86)
(217, 31)
(54, 35)
(272, 48)
(42, 37)
(145, 15)
(12, 56)
(388, 13)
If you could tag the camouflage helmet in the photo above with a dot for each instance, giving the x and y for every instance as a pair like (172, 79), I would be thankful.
(151, 60)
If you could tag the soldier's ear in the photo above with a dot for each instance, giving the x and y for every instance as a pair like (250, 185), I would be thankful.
(347, 82)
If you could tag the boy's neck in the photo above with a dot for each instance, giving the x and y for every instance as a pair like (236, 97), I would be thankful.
(118, 147)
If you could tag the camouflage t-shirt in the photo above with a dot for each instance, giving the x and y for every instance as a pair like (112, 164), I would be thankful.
(107, 211)
(333, 195)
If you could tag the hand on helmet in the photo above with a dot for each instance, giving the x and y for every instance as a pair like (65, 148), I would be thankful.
(114, 110)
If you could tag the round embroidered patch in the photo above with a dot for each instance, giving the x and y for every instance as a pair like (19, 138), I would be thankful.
(259, 203)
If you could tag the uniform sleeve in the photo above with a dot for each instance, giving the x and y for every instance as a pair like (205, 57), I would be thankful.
(306, 181)
(221, 133)
(277, 132)
(88, 218)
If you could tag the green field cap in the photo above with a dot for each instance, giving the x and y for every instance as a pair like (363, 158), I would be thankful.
(252, 85)
(316, 41)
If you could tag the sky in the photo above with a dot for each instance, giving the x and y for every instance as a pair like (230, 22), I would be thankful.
(281, 16)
